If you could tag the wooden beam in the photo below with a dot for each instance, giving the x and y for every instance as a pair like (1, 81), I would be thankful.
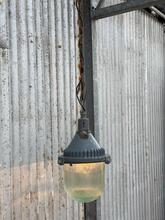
(121, 8)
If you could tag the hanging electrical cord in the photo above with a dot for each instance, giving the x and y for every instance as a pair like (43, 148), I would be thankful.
(80, 88)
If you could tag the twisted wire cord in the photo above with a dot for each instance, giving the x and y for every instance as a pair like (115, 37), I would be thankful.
(80, 88)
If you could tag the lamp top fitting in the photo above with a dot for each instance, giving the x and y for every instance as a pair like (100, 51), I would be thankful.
(83, 148)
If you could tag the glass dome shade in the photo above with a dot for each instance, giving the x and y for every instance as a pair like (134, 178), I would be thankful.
(84, 182)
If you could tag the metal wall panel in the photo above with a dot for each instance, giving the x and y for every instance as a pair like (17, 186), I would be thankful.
(129, 97)
(3, 25)
(106, 3)
(37, 109)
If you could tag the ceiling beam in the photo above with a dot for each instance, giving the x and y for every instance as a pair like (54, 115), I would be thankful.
(124, 7)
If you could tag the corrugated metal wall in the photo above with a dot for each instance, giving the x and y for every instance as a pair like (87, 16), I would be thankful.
(129, 96)
(37, 108)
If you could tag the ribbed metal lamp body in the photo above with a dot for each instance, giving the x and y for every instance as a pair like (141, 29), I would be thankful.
(83, 149)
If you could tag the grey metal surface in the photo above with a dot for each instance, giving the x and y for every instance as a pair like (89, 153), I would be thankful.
(162, 8)
(37, 109)
(90, 208)
(129, 99)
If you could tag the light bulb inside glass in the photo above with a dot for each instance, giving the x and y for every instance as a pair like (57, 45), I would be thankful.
(84, 182)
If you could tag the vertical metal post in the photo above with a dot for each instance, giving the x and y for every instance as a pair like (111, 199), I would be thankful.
(88, 61)
(90, 208)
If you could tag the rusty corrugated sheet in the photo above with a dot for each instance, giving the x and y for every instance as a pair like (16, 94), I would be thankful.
(129, 85)
(38, 109)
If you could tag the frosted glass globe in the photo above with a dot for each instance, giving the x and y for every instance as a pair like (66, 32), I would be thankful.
(84, 182)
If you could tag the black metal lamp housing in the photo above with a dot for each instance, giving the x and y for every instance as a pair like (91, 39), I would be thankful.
(84, 163)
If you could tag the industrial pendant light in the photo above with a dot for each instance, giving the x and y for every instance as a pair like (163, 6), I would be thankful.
(84, 160)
